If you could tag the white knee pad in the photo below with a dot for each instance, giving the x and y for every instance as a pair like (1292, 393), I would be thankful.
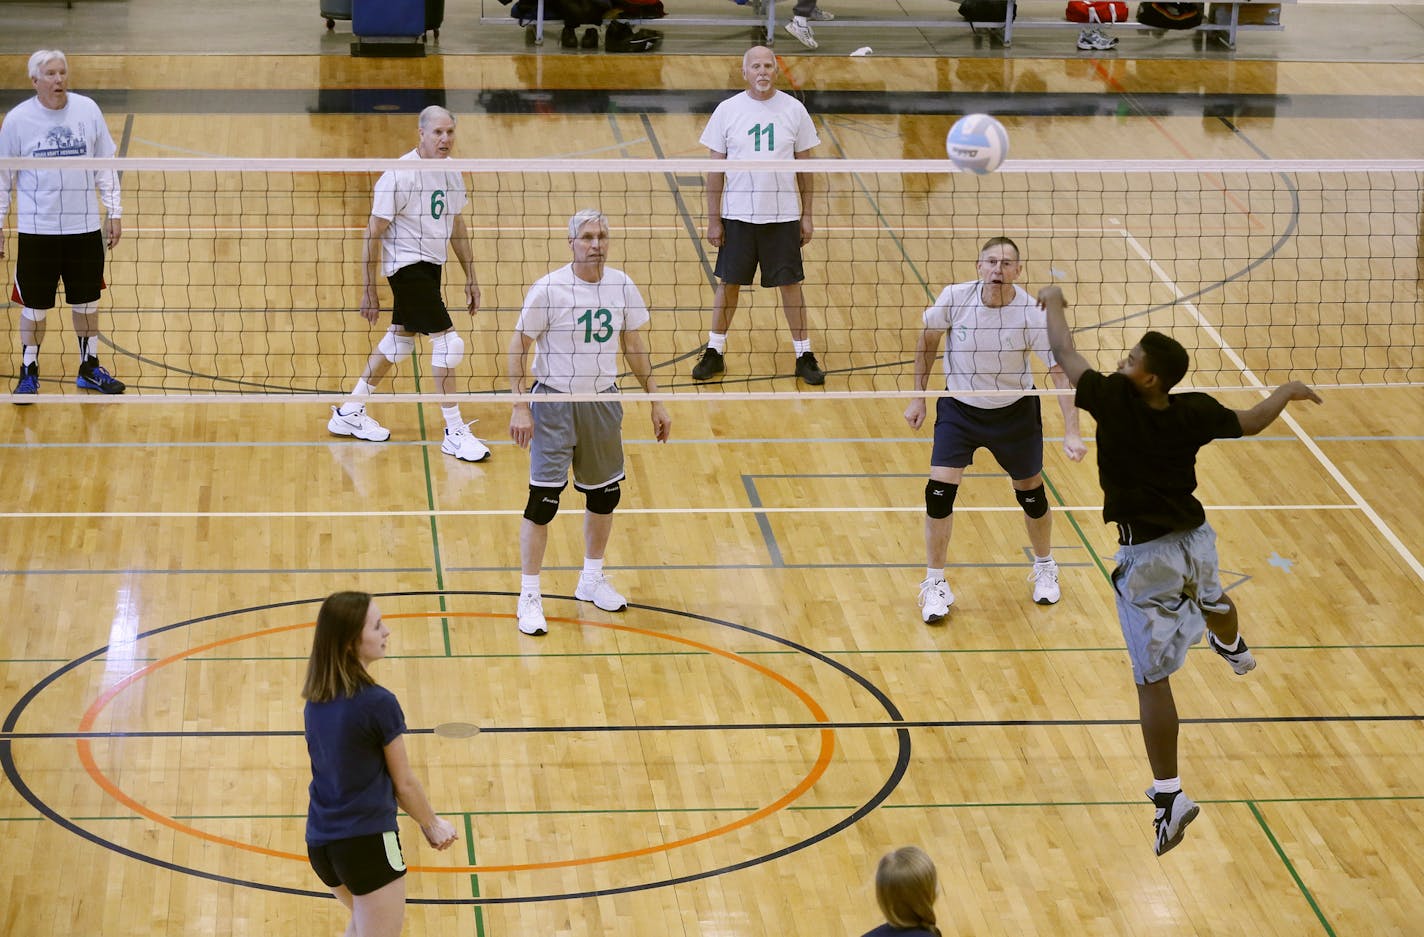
(34, 315)
(86, 309)
(447, 350)
(395, 347)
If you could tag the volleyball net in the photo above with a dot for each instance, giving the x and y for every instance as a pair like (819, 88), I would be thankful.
(244, 278)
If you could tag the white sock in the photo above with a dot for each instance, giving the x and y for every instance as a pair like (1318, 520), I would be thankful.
(86, 348)
(802, 347)
(717, 341)
(799, 20)
(592, 568)
(1042, 560)
(453, 423)
(529, 585)
(29, 354)
(357, 400)
(1166, 785)
(934, 575)
(1233, 646)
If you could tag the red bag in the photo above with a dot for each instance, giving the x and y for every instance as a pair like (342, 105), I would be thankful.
(1096, 11)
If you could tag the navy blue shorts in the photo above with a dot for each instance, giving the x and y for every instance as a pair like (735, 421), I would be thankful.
(775, 246)
(45, 259)
(417, 305)
(1012, 434)
(361, 863)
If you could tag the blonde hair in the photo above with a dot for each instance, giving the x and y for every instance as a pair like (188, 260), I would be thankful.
(905, 887)
(38, 60)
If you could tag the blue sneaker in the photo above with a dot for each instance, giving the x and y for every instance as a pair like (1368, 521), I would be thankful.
(92, 376)
(29, 382)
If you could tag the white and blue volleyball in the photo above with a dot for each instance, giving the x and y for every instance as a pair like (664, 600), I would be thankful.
(977, 143)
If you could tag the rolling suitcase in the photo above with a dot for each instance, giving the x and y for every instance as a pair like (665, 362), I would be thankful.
(334, 10)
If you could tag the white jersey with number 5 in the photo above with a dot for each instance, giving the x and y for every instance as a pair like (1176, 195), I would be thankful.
(576, 326)
(989, 348)
(421, 207)
(745, 128)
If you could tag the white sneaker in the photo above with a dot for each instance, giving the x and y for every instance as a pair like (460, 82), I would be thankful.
(799, 28)
(463, 445)
(935, 600)
(601, 593)
(531, 613)
(1045, 583)
(821, 16)
(356, 424)
(1094, 39)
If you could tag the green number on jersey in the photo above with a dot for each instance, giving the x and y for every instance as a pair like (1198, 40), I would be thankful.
(605, 325)
(437, 203)
(770, 130)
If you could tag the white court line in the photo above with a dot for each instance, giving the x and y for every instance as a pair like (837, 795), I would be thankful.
(519, 512)
(1389, 535)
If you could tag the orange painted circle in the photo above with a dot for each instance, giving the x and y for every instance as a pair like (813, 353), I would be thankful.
(823, 758)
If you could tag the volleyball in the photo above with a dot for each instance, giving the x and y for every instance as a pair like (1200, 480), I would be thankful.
(977, 143)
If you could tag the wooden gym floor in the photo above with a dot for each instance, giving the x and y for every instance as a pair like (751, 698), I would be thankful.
(733, 754)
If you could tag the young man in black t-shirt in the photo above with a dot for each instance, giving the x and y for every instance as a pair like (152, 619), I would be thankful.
(1167, 583)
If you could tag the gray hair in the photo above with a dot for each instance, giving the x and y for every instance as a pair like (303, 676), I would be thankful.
(583, 217)
(432, 112)
(38, 60)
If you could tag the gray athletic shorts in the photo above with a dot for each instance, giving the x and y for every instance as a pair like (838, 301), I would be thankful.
(1164, 589)
(584, 435)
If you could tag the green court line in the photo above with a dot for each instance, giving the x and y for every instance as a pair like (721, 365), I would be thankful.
(474, 877)
(430, 504)
(1285, 860)
(1082, 537)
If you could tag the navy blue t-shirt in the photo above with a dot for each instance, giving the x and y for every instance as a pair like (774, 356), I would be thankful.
(1147, 459)
(885, 930)
(351, 791)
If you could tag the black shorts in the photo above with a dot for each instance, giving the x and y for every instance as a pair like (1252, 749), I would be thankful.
(45, 259)
(362, 863)
(1012, 434)
(776, 247)
(417, 305)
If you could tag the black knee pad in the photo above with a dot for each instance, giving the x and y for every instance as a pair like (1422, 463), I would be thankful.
(603, 500)
(543, 504)
(939, 498)
(1034, 501)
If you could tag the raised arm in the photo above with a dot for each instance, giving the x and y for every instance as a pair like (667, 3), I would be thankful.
(635, 352)
(1264, 413)
(1060, 339)
(411, 797)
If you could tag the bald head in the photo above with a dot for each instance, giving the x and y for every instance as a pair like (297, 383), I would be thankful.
(759, 70)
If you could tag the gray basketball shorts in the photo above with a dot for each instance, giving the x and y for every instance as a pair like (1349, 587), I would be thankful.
(584, 435)
(1164, 588)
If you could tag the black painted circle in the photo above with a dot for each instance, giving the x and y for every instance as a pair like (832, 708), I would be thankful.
(892, 780)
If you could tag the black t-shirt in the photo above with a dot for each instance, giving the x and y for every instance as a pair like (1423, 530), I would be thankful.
(1147, 458)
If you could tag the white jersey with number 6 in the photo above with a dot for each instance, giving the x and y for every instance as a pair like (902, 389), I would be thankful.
(576, 327)
(421, 207)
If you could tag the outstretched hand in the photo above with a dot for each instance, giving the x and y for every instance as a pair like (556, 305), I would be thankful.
(1298, 390)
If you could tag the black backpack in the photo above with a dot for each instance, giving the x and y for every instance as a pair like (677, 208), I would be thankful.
(986, 11)
(1170, 15)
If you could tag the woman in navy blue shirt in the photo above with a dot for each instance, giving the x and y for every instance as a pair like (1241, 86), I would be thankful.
(360, 772)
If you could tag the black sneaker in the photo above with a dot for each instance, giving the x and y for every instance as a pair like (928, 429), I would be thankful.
(29, 382)
(569, 38)
(590, 38)
(92, 376)
(710, 366)
(1241, 660)
(808, 370)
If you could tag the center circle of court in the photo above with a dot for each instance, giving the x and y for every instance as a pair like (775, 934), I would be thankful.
(819, 721)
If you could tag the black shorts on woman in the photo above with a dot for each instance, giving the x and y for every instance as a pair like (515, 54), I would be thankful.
(362, 863)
